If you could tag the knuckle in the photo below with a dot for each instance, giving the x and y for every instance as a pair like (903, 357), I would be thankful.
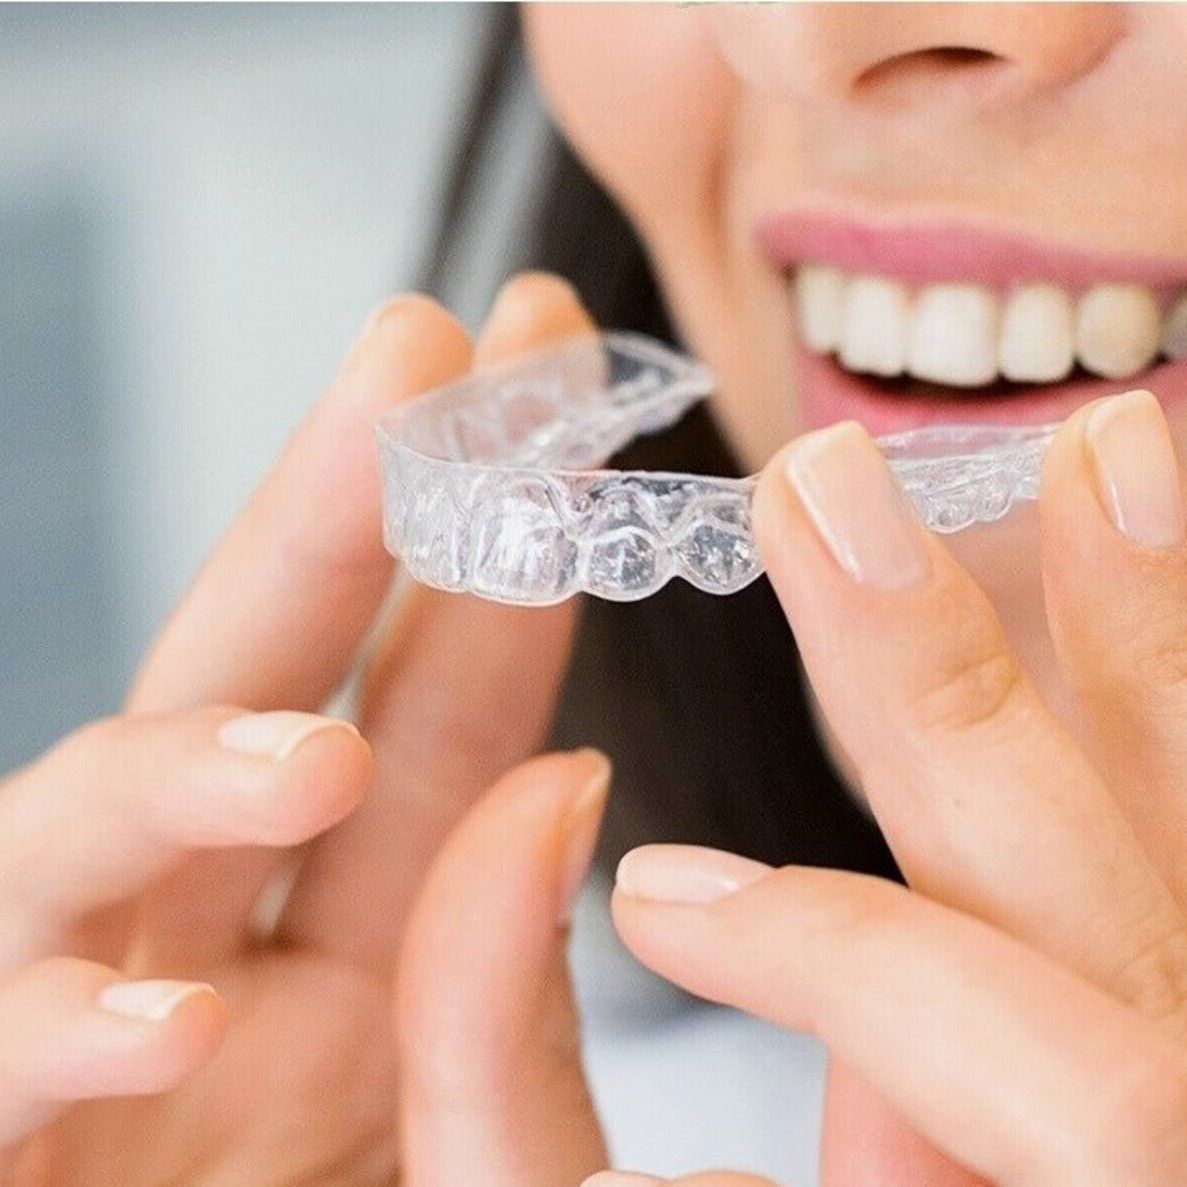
(964, 676)
(1162, 662)
(972, 688)
(1154, 975)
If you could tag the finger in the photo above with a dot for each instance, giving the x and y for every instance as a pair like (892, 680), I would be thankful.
(623, 1179)
(492, 1089)
(460, 690)
(277, 615)
(1010, 1063)
(1115, 575)
(121, 801)
(987, 802)
(71, 1031)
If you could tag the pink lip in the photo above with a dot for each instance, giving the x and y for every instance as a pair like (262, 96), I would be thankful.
(924, 251)
(929, 250)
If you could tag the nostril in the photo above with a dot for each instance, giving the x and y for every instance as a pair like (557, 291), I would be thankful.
(959, 55)
(942, 61)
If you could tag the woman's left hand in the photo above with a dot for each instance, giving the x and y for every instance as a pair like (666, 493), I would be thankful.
(1024, 1005)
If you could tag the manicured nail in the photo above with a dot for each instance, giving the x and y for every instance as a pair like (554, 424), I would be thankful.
(858, 508)
(1136, 471)
(685, 873)
(622, 1179)
(275, 735)
(581, 831)
(152, 1001)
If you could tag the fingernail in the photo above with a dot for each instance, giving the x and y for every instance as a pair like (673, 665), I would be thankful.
(622, 1179)
(1136, 470)
(685, 873)
(858, 508)
(277, 734)
(152, 1001)
(581, 832)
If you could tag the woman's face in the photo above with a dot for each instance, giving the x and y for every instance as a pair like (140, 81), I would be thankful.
(887, 211)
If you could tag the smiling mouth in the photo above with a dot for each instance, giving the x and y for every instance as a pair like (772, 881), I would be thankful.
(971, 336)
(904, 324)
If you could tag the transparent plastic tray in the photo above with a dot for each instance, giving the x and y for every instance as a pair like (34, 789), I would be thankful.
(491, 483)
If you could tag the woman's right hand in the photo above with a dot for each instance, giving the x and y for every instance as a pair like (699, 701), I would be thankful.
(153, 1028)
(1023, 1007)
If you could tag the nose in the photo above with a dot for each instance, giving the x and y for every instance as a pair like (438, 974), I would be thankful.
(896, 55)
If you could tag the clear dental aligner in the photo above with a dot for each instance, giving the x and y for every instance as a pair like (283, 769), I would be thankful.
(491, 485)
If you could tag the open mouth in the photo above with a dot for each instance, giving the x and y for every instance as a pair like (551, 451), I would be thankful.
(974, 326)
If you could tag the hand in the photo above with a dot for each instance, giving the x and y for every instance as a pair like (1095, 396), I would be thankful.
(1022, 1006)
(153, 1028)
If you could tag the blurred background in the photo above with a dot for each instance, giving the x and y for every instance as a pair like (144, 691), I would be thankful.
(198, 207)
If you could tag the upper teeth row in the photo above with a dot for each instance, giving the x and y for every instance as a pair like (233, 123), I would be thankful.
(966, 335)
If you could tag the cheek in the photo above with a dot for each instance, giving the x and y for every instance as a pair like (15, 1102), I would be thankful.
(641, 94)
(646, 100)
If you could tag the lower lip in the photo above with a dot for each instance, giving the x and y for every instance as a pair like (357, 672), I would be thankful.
(828, 393)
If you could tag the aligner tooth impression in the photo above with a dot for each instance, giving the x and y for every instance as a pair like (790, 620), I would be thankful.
(473, 502)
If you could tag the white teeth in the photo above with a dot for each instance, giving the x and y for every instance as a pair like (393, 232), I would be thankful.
(819, 292)
(874, 326)
(1174, 331)
(1117, 330)
(966, 335)
(1037, 344)
(953, 335)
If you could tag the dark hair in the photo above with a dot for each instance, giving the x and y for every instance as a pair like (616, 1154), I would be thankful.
(698, 699)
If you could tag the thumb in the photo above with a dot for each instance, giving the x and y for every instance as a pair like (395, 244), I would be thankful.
(492, 1090)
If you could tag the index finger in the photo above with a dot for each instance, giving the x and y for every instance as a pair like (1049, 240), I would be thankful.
(1015, 1066)
(986, 800)
(274, 618)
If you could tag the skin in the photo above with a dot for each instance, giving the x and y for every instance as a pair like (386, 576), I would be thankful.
(376, 1028)
(751, 108)
(325, 1047)
(1076, 120)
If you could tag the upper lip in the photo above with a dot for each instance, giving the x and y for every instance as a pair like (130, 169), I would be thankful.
(925, 249)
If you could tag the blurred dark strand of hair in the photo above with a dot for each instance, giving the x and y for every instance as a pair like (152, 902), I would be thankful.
(698, 699)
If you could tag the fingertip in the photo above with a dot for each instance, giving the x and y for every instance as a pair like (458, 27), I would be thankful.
(165, 1052)
(1064, 455)
(320, 783)
(692, 875)
(591, 769)
(789, 541)
(407, 313)
(194, 1032)
(176, 1029)
(557, 771)
(536, 286)
(77, 1030)
(773, 499)
(408, 345)
(531, 310)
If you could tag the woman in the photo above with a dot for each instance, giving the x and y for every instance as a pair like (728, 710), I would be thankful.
(956, 194)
